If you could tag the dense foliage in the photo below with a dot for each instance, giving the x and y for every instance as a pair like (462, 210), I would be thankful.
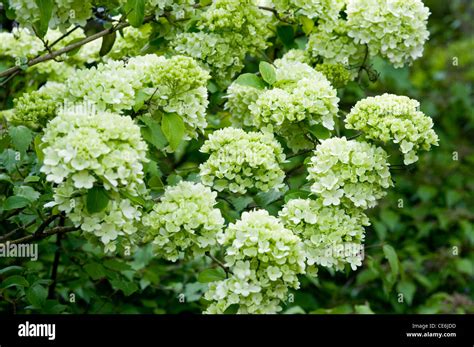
(237, 156)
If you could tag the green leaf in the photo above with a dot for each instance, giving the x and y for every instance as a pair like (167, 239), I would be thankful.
(232, 309)
(140, 99)
(320, 132)
(211, 275)
(127, 288)
(135, 10)
(10, 268)
(465, 266)
(173, 129)
(45, 8)
(5, 178)
(408, 290)
(107, 43)
(363, 309)
(250, 80)
(14, 202)
(392, 258)
(38, 148)
(268, 72)
(95, 271)
(26, 192)
(37, 295)
(296, 194)
(14, 281)
(390, 219)
(116, 265)
(152, 133)
(307, 24)
(287, 35)
(97, 199)
(31, 179)
(21, 137)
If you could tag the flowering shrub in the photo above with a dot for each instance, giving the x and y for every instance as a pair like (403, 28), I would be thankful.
(212, 134)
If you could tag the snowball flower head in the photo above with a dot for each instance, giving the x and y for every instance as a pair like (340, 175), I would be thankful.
(264, 259)
(332, 235)
(394, 118)
(184, 223)
(349, 172)
(242, 160)
(395, 29)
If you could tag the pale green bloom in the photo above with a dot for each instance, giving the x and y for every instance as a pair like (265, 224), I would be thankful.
(185, 222)
(332, 235)
(349, 172)
(394, 118)
(242, 160)
(264, 259)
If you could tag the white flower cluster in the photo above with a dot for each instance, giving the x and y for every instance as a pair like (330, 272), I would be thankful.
(349, 172)
(184, 224)
(264, 259)
(242, 160)
(229, 29)
(332, 235)
(64, 14)
(395, 29)
(299, 98)
(83, 150)
(394, 118)
(174, 85)
(310, 8)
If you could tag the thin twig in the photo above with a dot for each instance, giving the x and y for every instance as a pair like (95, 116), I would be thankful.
(70, 47)
(50, 232)
(218, 262)
(57, 256)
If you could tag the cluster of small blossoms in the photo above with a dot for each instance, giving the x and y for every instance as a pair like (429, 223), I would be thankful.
(177, 84)
(264, 259)
(117, 227)
(350, 172)
(332, 235)
(242, 160)
(239, 98)
(36, 108)
(64, 12)
(130, 41)
(310, 8)
(395, 29)
(337, 74)
(394, 118)
(184, 224)
(174, 9)
(83, 149)
(331, 43)
(224, 37)
(301, 97)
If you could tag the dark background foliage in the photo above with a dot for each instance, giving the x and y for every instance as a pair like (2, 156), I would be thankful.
(427, 218)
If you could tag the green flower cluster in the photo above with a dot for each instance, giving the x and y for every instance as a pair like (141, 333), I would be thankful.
(333, 45)
(394, 29)
(36, 108)
(299, 98)
(223, 39)
(310, 8)
(337, 74)
(394, 118)
(184, 224)
(332, 235)
(64, 12)
(264, 259)
(242, 160)
(349, 172)
(86, 150)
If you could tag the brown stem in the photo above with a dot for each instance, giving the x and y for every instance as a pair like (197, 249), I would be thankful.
(47, 233)
(70, 47)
